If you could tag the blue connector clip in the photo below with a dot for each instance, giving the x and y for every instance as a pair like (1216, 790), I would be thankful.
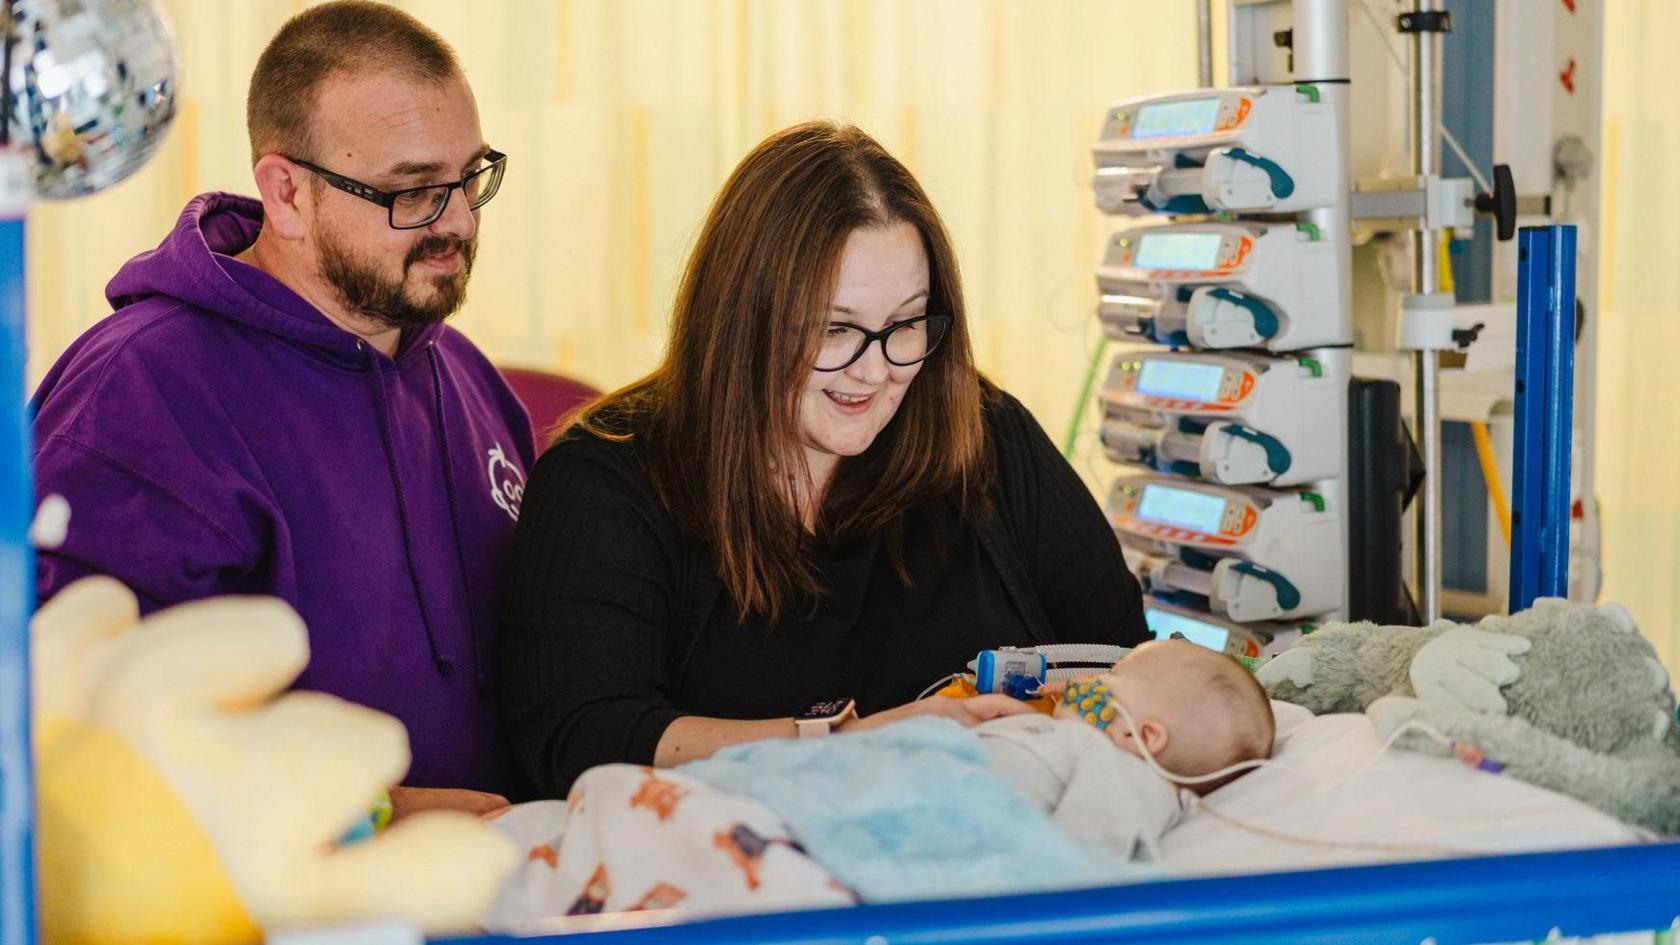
(1011, 672)
(1021, 687)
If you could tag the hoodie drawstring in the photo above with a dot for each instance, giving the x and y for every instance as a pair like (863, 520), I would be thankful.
(454, 512)
(444, 666)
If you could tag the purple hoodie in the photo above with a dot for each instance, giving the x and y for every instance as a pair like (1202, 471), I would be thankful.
(218, 435)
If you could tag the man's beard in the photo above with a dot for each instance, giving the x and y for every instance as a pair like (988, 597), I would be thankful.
(365, 290)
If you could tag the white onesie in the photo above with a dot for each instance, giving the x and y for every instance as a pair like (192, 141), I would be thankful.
(1092, 789)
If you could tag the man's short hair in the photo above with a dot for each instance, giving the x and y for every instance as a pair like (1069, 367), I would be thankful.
(351, 36)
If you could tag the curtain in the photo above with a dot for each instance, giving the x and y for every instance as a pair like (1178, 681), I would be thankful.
(1638, 420)
(623, 117)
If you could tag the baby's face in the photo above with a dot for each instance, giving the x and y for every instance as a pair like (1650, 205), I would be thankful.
(1161, 681)
(1129, 684)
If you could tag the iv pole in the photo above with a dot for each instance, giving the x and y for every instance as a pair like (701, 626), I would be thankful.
(1429, 312)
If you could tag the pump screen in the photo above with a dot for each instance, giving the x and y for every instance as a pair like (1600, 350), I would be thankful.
(1172, 119)
(1182, 380)
(1182, 508)
(1165, 623)
(1194, 251)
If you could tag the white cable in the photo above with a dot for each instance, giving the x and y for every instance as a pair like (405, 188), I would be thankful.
(1242, 766)
(1447, 136)
(1469, 165)
(1195, 801)
(937, 686)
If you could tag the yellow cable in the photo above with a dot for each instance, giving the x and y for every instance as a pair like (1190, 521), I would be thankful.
(1478, 429)
(1490, 475)
(1443, 261)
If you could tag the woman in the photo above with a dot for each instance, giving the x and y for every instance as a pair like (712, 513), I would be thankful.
(815, 498)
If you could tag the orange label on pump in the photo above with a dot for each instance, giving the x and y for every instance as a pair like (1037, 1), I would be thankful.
(1244, 388)
(1243, 105)
(1248, 520)
(1243, 248)
(1125, 521)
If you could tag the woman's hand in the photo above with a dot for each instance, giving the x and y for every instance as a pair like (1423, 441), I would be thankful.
(969, 712)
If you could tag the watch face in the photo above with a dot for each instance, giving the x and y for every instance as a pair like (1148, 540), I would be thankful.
(833, 708)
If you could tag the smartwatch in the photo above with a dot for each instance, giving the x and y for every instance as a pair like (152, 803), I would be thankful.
(821, 718)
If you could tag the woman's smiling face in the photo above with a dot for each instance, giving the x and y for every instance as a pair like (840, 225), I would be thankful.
(883, 281)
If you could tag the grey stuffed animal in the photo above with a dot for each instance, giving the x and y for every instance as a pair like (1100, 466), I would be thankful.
(1591, 712)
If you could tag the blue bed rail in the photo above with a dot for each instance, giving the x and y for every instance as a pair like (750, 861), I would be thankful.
(17, 807)
(1479, 899)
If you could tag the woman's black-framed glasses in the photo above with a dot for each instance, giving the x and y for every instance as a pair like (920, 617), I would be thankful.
(414, 207)
(906, 343)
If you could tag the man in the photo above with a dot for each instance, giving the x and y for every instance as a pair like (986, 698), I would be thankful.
(276, 407)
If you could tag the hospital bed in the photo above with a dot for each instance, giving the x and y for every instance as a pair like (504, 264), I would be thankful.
(1328, 892)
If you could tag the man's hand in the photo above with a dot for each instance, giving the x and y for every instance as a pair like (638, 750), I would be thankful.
(413, 800)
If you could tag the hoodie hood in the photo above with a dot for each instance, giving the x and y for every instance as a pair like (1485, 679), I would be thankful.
(195, 265)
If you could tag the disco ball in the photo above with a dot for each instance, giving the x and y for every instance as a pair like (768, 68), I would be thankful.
(92, 90)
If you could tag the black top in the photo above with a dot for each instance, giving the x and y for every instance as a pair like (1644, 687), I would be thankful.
(615, 623)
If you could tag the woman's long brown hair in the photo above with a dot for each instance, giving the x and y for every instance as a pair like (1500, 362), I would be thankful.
(720, 415)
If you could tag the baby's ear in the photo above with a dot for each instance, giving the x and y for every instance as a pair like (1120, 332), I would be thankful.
(1153, 734)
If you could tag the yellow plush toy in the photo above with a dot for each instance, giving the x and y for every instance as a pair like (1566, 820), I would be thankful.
(180, 801)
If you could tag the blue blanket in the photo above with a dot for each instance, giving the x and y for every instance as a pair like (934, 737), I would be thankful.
(911, 811)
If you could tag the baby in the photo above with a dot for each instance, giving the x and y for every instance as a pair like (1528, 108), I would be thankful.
(632, 837)
(1196, 711)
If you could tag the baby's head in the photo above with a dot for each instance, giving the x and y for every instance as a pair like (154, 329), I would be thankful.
(1197, 710)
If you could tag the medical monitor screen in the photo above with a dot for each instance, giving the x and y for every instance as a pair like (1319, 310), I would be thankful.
(1194, 251)
(1172, 119)
(1181, 380)
(1182, 508)
(1164, 624)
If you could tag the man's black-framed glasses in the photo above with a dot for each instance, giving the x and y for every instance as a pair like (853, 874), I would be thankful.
(906, 343)
(414, 207)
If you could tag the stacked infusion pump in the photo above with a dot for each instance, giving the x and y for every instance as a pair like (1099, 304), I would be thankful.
(1233, 431)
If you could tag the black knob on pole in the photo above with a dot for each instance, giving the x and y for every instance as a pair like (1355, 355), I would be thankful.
(1502, 203)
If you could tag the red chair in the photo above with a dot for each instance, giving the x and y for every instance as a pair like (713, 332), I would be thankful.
(549, 398)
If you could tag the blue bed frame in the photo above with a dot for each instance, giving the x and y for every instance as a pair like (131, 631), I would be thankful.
(1482, 899)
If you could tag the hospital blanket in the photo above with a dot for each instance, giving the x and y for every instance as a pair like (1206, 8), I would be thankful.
(632, 839)
(910, 811)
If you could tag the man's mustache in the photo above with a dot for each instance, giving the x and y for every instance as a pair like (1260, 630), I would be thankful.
(436, 245)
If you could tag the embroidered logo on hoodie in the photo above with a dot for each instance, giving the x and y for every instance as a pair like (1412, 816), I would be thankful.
(507, 483)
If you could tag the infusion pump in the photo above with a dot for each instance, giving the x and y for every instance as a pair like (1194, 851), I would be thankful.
(1222, 285)
(1234, 418)
(1250, 554)
(1253, 149)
